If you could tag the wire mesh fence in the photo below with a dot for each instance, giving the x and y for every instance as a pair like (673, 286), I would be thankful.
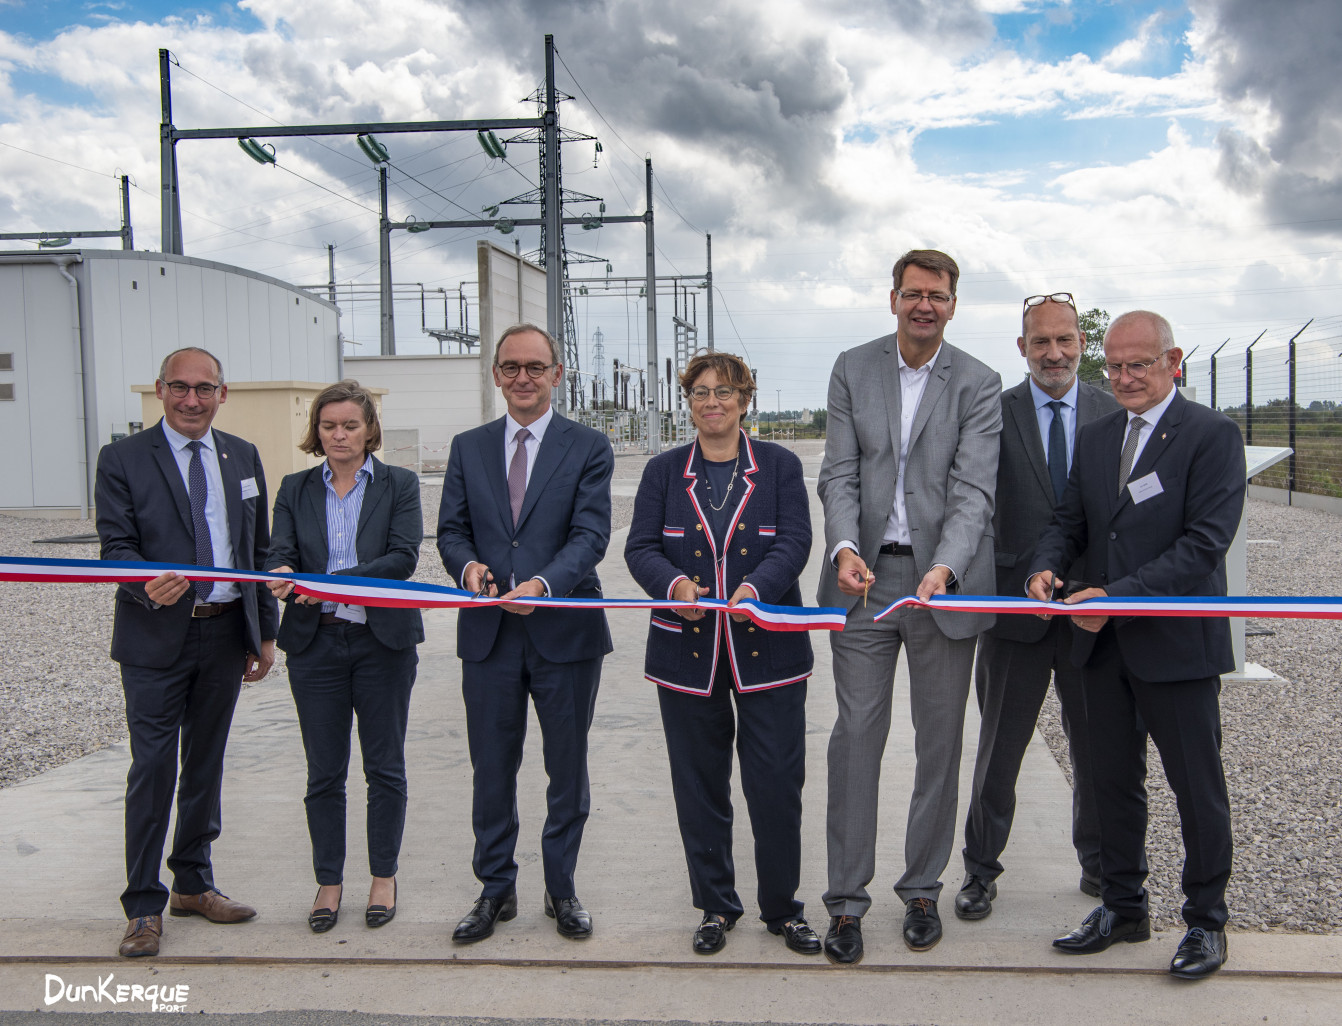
(1282, 387)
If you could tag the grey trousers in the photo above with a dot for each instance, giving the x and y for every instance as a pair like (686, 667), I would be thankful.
(865, 654)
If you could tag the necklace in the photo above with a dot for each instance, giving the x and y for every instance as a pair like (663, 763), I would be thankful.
(727, 494)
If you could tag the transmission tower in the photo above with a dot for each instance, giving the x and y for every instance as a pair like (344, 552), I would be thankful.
(536, 197)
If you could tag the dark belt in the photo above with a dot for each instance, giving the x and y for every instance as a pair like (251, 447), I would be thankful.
(204, 609)
(329, 618)
(895, 549)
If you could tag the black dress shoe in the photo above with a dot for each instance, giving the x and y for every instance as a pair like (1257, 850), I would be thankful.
(1200, 954)
(381, 915)
(798, 935)
(711, 934)
(1102, 928)
(479, 922)
(571, 919)
(1090, 887)
(843, 940)
(922, 924)
(322, 919)
(975, 900)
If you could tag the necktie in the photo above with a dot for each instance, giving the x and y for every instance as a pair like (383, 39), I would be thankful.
(517, 474)
(195, 477)
(1057, 451)
(1129, 451)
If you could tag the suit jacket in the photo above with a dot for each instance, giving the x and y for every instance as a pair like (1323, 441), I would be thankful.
(1025, 497)
(1173, 543)
(144, 513)
(949, 476)
(671, 538)
(561, 534)
(391, 528)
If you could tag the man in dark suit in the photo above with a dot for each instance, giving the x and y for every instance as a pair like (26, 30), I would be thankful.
(1018, 654)
(183, 493)
(1153, 502)
(526, 513)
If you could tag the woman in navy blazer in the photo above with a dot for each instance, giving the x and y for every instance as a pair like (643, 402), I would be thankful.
(352, 515)
(729, 518)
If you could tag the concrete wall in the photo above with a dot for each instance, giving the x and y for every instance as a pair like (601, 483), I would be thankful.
(438, 395)
(512, 290)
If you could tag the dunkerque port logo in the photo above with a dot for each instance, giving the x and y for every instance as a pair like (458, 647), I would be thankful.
(155, 997)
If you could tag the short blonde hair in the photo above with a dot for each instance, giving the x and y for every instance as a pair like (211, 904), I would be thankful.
(342, 392)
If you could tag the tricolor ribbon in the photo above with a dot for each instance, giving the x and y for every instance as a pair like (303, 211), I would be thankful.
(376, 591)
(1261, 607)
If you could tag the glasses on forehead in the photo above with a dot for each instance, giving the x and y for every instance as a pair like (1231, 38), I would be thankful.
(1052, 297)
(1114, 371)
(701, 392)
(935, 298)
(179, 389)
(534, 370)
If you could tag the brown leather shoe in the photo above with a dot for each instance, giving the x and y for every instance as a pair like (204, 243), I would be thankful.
(141, 937)
(216, 907)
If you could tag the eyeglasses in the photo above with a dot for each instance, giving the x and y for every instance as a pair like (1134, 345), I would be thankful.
(935, 298)
(1136, 371)
(534, 370)
(179, 389)
(1052, 297)
(701, 392)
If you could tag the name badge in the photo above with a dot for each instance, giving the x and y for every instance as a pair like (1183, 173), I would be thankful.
(1145, 487)
(249, 489)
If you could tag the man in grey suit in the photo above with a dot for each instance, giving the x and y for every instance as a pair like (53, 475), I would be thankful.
(907, 486)
(1017, 656)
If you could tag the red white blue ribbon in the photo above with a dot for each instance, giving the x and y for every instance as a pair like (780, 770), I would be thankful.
(1257, 606)
(376, 591)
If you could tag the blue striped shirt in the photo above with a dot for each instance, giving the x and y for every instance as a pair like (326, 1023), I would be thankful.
(342, 525)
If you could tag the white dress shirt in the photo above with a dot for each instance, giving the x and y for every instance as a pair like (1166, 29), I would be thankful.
(216, 509)
(1151, 417)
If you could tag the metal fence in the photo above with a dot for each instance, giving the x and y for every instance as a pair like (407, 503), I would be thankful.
(1282, 387)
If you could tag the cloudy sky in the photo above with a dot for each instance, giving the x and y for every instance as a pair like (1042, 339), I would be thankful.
(1180, 157)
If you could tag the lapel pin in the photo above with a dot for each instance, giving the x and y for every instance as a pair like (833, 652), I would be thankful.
(1162, 436)
(224, 455)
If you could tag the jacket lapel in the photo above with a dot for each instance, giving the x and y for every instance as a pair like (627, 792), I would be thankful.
(1163, 433)
(375, 492)
(167, 463)
(493, 456)
(232, 479)
(693, 466)
(1025, 421)
(893, 392)
(937, 378)
(312, 499)
(553, 448)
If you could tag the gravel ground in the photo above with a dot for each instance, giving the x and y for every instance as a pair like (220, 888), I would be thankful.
(1283, 764)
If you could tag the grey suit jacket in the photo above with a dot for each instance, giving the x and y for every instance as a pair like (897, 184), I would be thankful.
(948, 480)
(1025, 496)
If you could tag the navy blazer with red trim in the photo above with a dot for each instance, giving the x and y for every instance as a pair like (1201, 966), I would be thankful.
(671, 539)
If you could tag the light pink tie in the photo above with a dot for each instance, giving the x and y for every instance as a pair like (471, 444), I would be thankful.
(517, 474)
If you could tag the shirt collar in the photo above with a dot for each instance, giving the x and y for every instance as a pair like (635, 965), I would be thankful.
(179, 441)
(536, 427)
(1042, 398)
(925, 368)
(367, 469)
(1151, 416)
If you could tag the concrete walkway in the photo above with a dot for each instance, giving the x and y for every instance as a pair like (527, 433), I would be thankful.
(61, 872)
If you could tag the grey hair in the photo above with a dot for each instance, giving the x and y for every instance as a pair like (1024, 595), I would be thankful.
(518, 329)
(163, 367)
(1164, 333)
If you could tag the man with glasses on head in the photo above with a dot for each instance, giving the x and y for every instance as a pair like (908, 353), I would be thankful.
(1018, 654)
(1153, 503)
(907, 486)
(526, 514)
(182, 492)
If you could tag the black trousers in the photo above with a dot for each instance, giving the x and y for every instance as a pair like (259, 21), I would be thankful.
(345, 672)
(1011, 679)
(770, 735)
(193, 699)
(495, 691)
(1183, 718)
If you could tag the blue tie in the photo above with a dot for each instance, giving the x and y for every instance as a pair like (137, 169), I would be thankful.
(195, 476)
(1057, 451)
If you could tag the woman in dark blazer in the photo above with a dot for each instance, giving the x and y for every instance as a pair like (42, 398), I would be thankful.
(352, 515)
(729, 518)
